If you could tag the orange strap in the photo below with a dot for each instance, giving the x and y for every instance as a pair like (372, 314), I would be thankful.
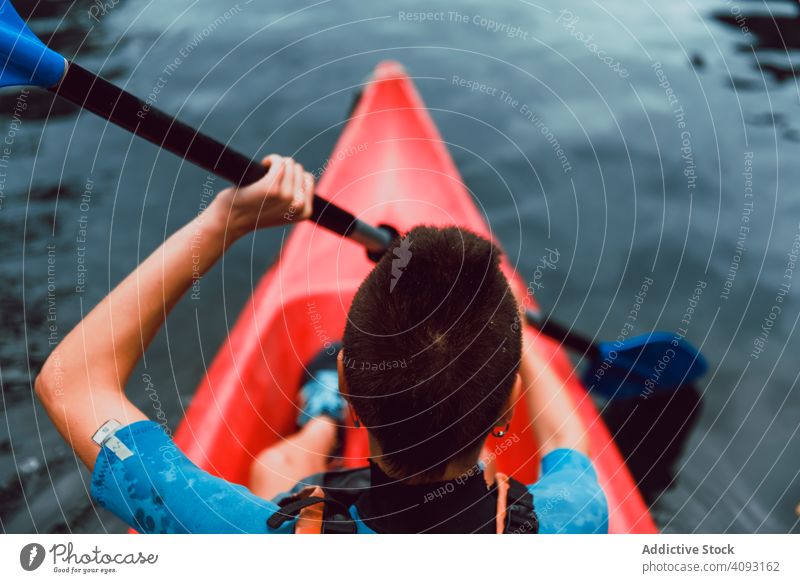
(502, 502)
(309, 521)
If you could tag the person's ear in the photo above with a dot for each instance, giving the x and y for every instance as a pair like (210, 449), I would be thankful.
(516, 393)
(343, 390)
(340, 369)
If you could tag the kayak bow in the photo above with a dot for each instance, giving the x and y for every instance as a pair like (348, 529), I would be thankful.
(389, 167)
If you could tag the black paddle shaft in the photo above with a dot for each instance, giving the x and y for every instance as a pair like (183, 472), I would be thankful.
(139, 117)
(558, 332)
(105, 99)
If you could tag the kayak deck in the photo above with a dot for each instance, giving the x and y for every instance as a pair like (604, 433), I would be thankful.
(389, 166)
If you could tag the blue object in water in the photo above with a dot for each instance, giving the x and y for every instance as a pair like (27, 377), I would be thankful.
(643, 365)
(631, 367)
(25, 59)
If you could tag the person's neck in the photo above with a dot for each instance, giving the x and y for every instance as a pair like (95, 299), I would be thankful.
(454, 469)
(461, 504)
(452, 472)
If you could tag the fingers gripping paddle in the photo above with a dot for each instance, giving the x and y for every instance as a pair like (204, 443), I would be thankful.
(27, 61)
(656, 361)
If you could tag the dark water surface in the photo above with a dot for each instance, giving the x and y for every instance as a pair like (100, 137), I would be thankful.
(673, 158)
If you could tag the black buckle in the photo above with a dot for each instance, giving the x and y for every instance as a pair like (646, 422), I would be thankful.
(520, 513)
(336, 516)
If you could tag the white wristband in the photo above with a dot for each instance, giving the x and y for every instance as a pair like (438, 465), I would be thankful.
(105, 437)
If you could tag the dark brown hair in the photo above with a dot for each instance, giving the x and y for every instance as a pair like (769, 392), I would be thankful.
(431, 349)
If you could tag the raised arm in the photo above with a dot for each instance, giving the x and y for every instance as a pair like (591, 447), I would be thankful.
(82, 382)
(555, 420)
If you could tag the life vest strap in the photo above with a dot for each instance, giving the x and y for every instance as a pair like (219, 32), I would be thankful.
(502, 486)
(315, 513)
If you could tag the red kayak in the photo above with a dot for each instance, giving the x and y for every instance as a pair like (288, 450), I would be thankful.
(391, 167)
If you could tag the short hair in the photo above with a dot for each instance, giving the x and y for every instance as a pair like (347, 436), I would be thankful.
(431, 349)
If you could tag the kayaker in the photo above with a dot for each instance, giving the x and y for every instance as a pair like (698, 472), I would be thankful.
(432, 362)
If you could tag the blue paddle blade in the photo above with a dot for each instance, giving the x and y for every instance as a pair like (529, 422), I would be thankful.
(643, 365)
(25, 60)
